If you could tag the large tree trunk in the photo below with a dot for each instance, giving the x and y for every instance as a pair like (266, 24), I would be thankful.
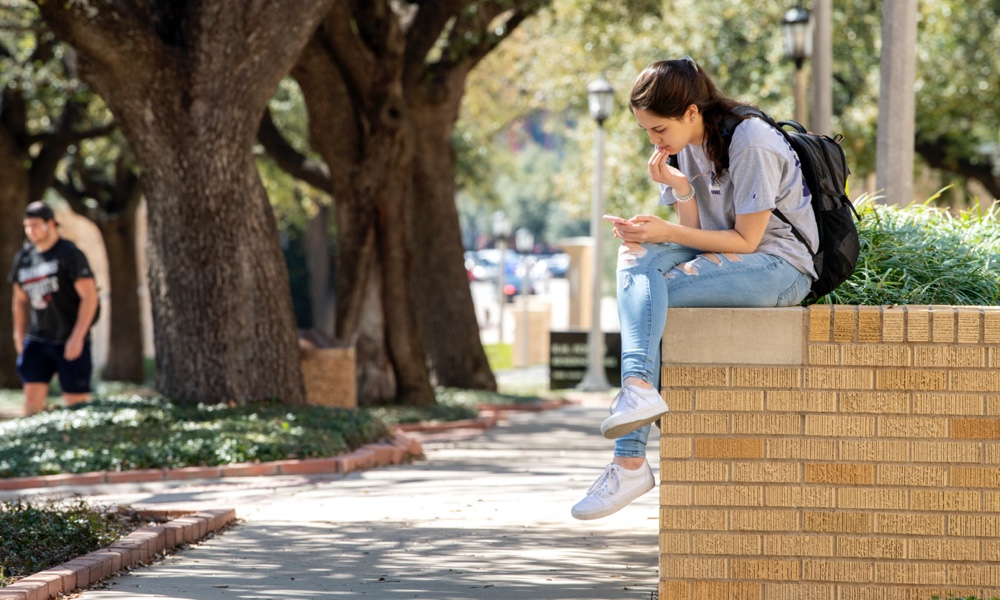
(375, 77)
(222, 313)
(125, 359)
(189, 82)
(364, 139)
(442, 295)
(14, 190)
(318, 259)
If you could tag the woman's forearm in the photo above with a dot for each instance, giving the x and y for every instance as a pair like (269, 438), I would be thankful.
(687, 214)
(728, 240)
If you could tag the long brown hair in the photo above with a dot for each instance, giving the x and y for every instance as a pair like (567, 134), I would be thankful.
(667, 88)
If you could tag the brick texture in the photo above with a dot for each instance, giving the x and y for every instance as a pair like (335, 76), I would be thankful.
(870, 471)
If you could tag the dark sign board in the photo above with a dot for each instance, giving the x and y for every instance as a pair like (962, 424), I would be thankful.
(568, 358)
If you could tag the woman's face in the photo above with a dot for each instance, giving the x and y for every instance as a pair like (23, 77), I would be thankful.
(671, 134)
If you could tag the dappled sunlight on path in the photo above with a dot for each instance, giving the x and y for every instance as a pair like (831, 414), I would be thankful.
(480, 518)
(428, 562)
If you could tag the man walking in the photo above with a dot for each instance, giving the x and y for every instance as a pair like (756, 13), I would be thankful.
(54, 305)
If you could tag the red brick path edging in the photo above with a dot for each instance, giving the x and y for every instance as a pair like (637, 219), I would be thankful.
(393, 452)
(140, 546)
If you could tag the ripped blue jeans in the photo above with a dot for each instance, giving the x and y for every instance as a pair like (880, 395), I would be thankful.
(652, 277)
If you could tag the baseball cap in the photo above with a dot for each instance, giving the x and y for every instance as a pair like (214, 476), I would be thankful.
(39, 210)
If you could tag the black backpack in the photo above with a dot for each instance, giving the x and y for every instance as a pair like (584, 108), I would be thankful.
(824, 166)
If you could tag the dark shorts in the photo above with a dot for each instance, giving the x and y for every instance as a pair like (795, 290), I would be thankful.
(40, 360)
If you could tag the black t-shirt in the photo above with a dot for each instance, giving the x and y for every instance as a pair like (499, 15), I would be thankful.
(47, 278)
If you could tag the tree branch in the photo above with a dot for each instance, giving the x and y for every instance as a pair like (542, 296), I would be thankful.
(43, 167)
(14, 115)
(353, 58)
(302, 18)
(290, 160)
(105, 34)
(462, 55)
(490, 40)
(71, 195)
(936, 153)
(72, 136)
(4, 51)
(116, 192)
(431, 20)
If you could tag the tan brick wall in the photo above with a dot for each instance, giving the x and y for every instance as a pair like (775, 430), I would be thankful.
(862, 464)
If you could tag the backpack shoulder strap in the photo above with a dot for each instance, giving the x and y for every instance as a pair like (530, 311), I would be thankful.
(732, 120)
(752, 111)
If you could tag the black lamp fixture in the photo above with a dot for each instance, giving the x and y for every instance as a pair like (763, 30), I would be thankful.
(600, 99)
(798, 34)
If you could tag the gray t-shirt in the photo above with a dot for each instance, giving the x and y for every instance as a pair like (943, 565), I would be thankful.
(764, 172)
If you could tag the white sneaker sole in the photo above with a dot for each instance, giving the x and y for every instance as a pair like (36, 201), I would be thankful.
(611, 509)
(616, 426)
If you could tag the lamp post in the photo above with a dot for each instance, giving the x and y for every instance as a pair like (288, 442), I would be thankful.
(524, 241)
(501, 229)
(600, 98)
(798, 47)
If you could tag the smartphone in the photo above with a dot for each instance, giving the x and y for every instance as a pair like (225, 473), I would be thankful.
(615, 220)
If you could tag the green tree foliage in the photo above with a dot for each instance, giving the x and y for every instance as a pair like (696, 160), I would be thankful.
(566, 45)
(294, 198)
(958, 89)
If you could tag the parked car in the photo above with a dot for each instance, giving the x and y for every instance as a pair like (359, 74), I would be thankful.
(552, 265)
(484, 265)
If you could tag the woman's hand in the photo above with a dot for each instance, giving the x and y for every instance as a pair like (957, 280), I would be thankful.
(646, 229)
(661, 172)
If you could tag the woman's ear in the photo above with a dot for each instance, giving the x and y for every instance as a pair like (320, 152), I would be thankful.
(691, 112)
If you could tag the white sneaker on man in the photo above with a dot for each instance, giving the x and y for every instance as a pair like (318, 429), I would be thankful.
(614, 490)
(632, 408)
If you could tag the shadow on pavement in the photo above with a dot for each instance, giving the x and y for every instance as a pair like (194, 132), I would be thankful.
(334, 560)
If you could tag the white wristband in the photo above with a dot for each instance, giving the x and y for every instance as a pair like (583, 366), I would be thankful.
(683, 198)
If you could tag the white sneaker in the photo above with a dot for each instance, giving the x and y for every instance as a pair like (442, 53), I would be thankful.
(631, 409)
(613, 491)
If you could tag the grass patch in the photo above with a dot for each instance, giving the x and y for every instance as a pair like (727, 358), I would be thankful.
(924, 255)
(11, 402)
(126, 432)
(132, 432)
(38, 537)
(453, 405)
(500, 356)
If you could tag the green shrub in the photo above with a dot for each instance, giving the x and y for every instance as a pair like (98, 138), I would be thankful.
(924, 255)
(118, 434)
(35, 538)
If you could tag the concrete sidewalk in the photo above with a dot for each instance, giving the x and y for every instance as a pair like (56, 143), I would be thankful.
(481, 518)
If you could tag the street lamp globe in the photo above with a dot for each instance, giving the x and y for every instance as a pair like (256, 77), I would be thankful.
(798, 35)
(524, 240)
(501, 224)
(600, 99)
